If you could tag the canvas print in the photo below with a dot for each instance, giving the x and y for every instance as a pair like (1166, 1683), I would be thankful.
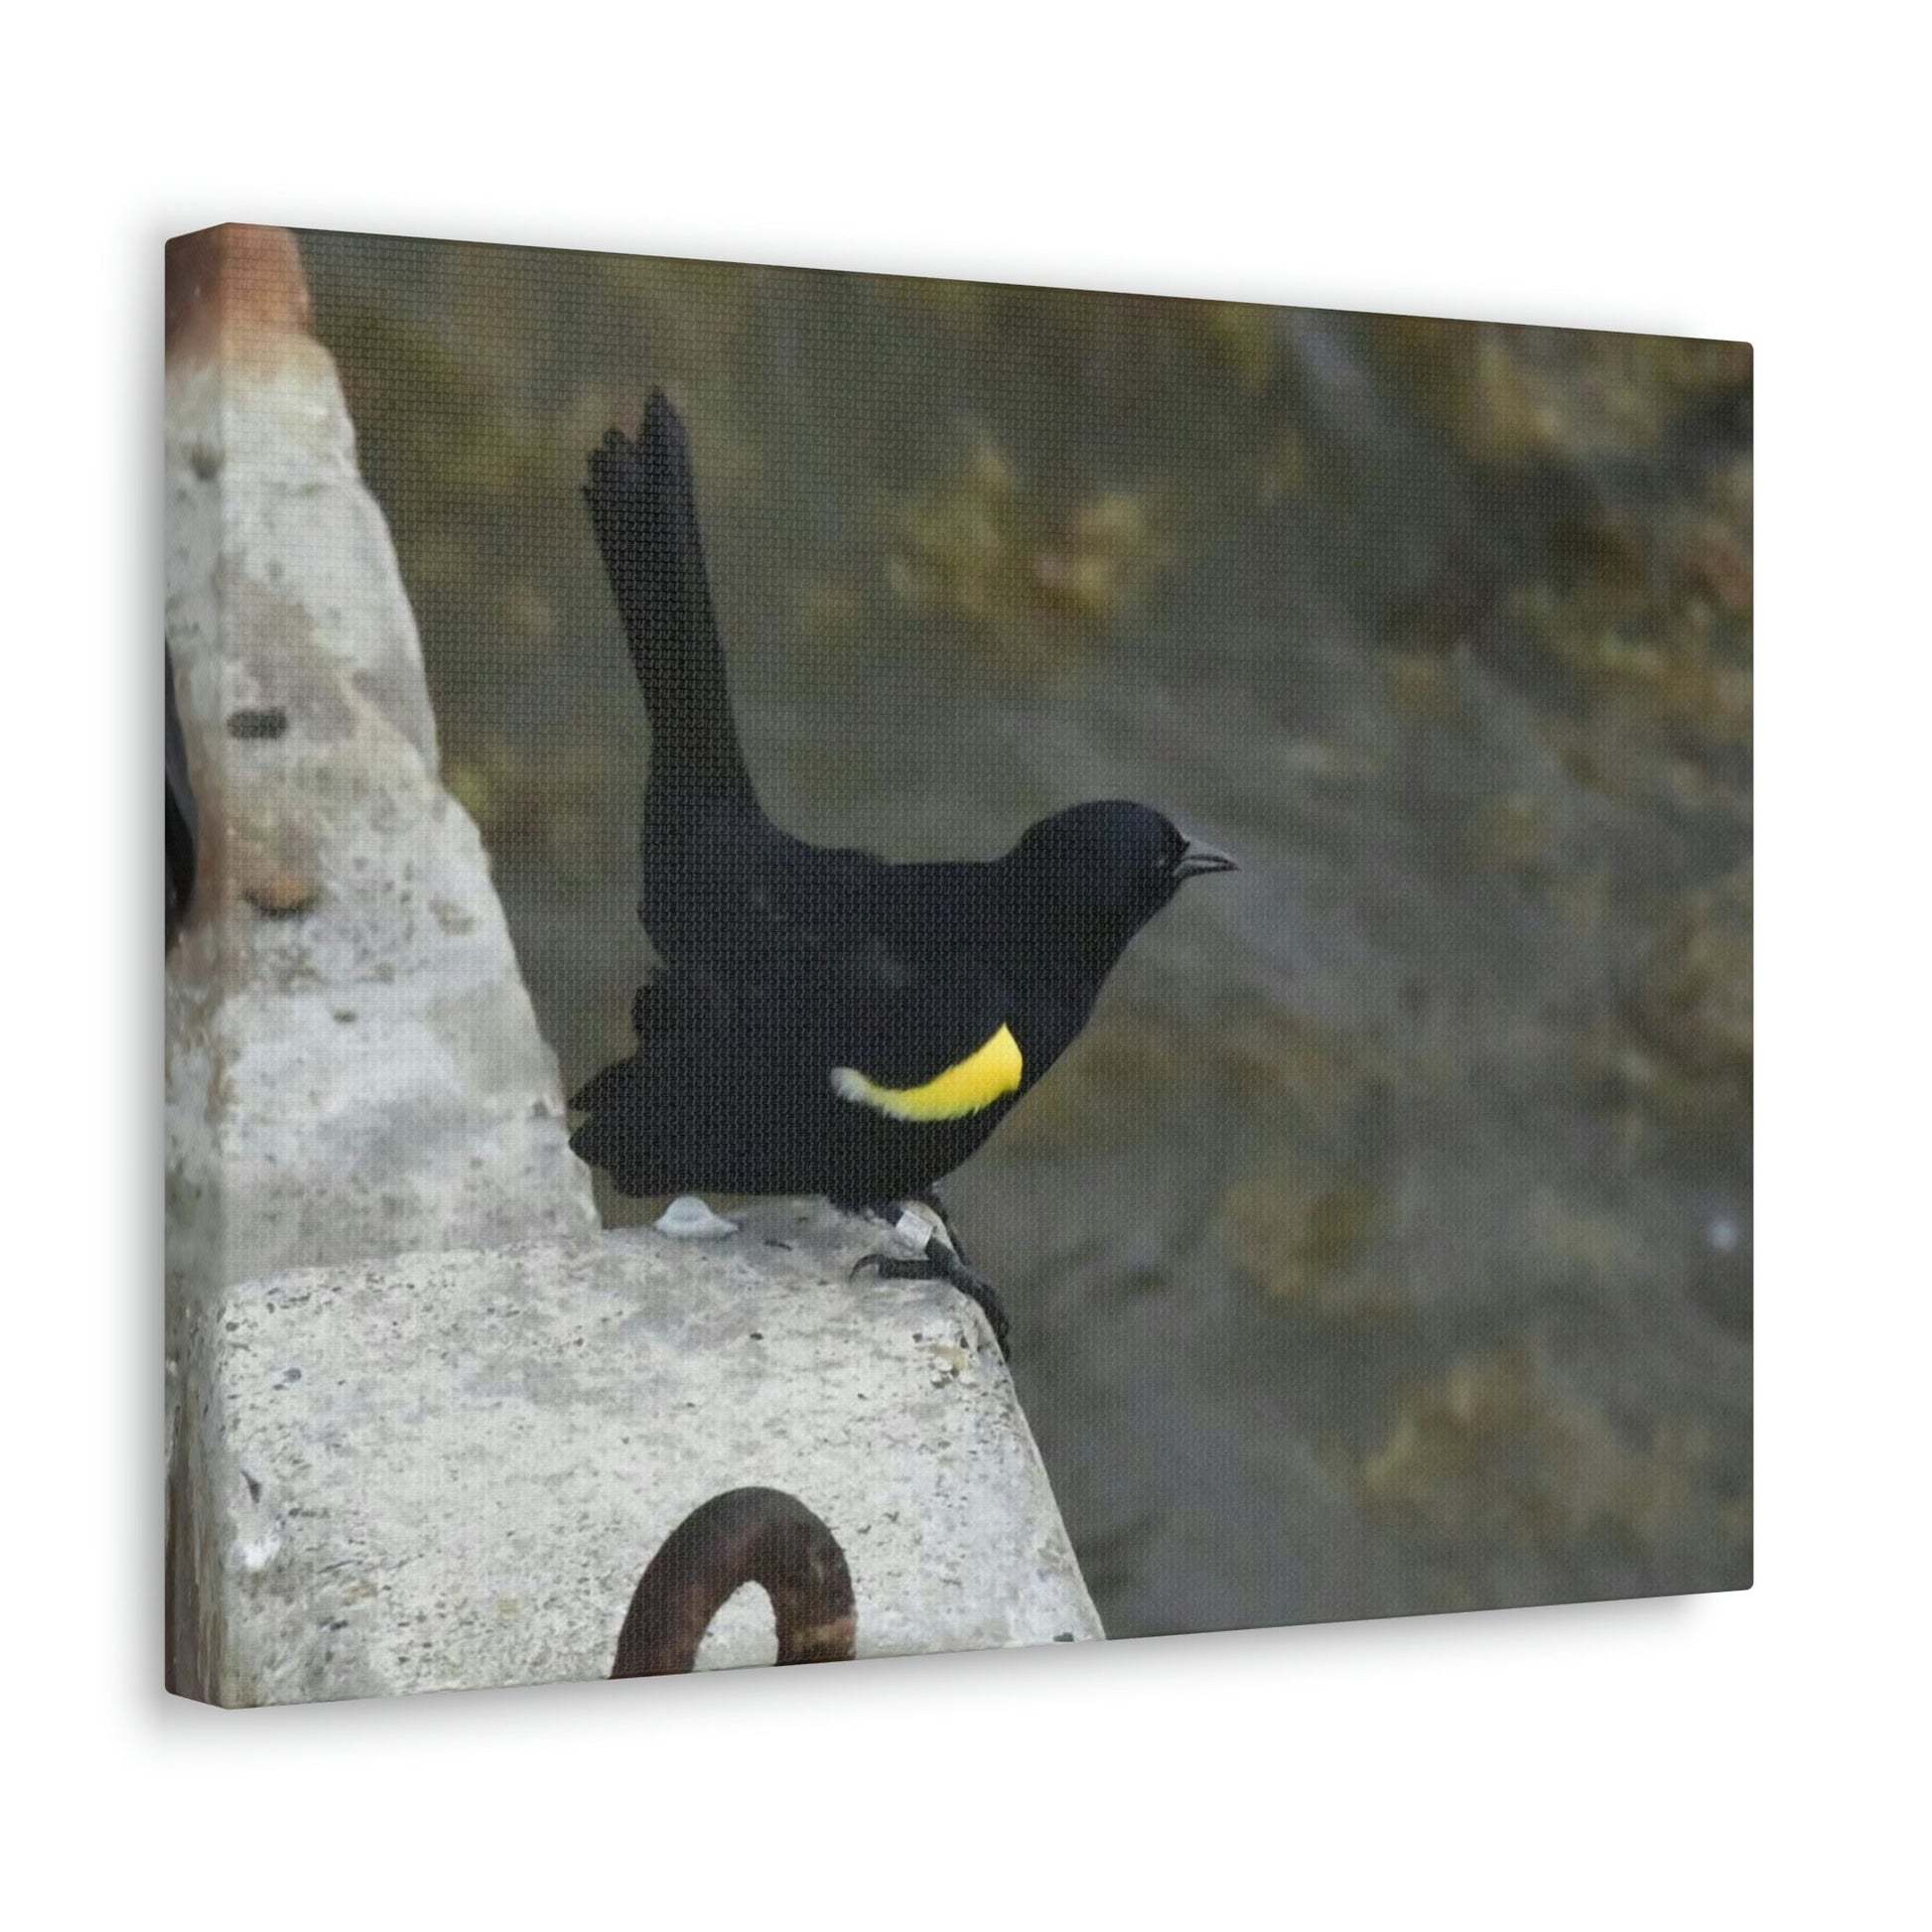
(860, 966)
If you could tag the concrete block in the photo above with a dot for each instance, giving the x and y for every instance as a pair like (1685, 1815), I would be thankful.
(354, 1065)
(449, 1469)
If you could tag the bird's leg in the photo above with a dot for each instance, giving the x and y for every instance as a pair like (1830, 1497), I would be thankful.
(940, 1260)
(931, 1199)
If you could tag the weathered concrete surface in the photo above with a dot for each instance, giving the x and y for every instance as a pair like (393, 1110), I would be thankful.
(354, 1066)
(450, 1470)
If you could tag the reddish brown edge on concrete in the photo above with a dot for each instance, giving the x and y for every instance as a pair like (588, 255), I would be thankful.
(235, 290)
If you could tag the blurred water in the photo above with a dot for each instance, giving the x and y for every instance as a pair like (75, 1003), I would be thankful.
(1385, 1245)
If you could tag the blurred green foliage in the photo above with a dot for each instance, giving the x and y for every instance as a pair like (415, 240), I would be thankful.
(1400, 1192)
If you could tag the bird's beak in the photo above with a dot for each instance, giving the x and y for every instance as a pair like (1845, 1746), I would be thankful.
(1197, 857)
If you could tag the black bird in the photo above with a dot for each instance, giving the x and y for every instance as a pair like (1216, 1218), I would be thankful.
(826, 1022)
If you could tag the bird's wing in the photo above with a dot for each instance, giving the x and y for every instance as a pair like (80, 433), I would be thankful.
(915, 1047)
(896, 1005)
(827, 961)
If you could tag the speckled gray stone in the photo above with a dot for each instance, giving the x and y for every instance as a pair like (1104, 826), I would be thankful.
(354, 1065)
(447, 1471)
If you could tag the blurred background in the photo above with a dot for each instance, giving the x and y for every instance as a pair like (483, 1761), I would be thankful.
(1385, 1244)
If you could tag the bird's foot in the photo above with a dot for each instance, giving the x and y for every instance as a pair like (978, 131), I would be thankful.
(940, 1260)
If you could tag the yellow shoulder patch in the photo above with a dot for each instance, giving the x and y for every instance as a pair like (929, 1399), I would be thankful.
(977, 1081)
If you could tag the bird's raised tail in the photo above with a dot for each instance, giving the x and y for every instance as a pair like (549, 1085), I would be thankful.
(645, 511)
